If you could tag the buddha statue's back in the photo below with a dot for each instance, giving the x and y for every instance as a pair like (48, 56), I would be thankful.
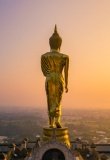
(52, 64)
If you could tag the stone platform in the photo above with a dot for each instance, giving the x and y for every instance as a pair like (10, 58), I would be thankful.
(59, 134)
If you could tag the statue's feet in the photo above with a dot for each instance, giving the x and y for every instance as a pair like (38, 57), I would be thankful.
(51, 126)
(58, 125)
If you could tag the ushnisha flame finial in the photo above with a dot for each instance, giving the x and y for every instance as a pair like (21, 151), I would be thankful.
(55, 40)
(55, 29)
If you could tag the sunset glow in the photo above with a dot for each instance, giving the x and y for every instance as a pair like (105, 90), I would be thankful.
(25, 29)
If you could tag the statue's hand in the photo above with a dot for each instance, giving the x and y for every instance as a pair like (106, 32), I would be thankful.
(66, 89)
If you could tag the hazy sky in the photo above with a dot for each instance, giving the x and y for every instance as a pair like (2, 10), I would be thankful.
(25, 28)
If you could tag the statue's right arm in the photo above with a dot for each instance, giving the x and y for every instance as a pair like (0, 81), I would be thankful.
(66, 72)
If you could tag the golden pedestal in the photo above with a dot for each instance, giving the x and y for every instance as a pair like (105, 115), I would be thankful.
(59, 134)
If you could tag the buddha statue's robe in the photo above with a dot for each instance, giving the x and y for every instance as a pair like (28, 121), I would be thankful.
(52, 65)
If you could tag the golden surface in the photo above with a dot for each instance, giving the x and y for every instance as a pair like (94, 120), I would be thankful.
(52, 64)
(60, 134)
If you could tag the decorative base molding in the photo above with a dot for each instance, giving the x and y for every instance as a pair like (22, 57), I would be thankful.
(38, 153)
(55, 144)
(59, 134)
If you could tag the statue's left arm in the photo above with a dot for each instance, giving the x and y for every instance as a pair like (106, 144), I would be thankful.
(66, 73)
(44, 65)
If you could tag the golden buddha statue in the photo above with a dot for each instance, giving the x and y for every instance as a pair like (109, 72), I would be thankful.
(53, 63)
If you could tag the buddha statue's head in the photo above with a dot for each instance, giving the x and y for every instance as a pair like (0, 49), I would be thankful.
(55, 40)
